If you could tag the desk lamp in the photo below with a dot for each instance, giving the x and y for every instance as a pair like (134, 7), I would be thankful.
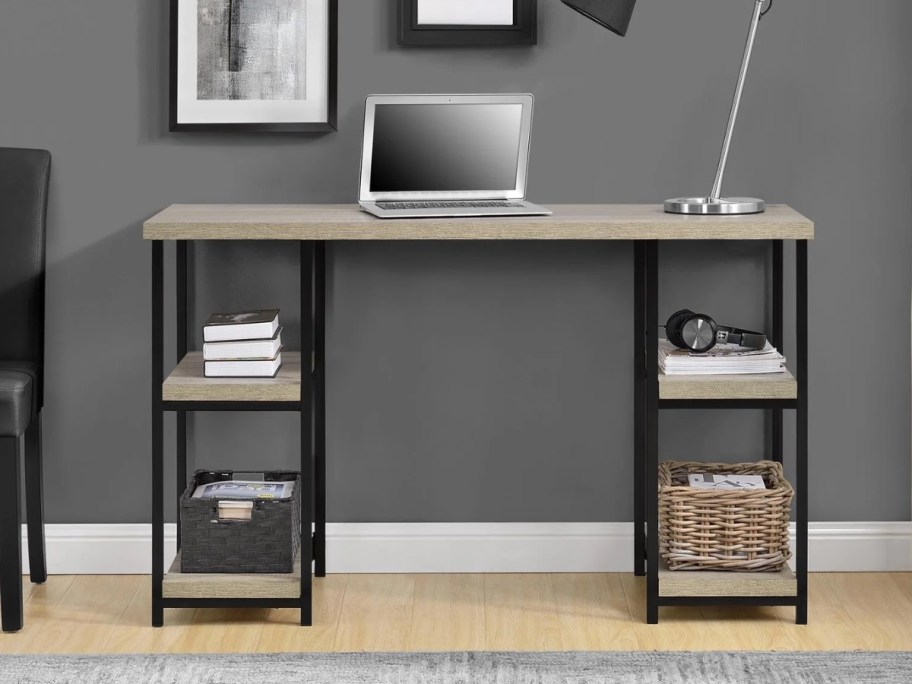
(615, 15)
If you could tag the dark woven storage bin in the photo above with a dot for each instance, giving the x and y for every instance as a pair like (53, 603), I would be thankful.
(724, 529)
(268, 542)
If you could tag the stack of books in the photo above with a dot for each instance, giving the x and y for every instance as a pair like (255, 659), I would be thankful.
(242, 345)
(723, 359)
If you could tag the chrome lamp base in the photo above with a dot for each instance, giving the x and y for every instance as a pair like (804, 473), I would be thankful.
(708, 206)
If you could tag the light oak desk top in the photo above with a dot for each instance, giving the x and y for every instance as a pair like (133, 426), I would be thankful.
(569, 222)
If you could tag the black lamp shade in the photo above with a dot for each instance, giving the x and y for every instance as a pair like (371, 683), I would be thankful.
(612, 14)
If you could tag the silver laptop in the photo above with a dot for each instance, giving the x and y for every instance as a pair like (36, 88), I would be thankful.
(446, 155)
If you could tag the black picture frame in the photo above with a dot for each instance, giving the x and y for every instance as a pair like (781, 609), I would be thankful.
(524, 30)
(327, 126)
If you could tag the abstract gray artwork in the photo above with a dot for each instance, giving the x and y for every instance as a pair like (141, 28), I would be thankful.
(251, 49)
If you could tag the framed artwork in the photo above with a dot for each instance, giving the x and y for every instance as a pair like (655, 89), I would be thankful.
(253, 65)
(467, 22)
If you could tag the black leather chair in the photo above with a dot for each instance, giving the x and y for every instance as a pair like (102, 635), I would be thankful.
(24, 178)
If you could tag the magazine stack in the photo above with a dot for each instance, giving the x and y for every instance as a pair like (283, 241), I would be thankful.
(723, 359)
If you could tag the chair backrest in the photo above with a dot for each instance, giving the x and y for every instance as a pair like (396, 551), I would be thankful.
(24, 176)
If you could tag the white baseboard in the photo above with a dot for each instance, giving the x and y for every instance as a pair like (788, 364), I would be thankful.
(472, 547)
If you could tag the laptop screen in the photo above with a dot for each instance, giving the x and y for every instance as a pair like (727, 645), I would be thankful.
(445, 147)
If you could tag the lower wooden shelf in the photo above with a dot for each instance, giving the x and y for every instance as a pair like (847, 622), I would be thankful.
(702, 583)
(178, 584)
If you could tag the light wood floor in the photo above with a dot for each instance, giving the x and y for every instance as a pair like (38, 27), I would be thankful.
(110, 614)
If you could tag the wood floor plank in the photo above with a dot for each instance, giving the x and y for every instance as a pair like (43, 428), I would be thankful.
(677, 629)
(449, 613)
(820, 590)
(764, 628)
(283, 633)
(40, 612)
(878, 610)
(86, 615)
(135, 633)
(521, 613)
(829, 628)
(376, 613)
(903, 581)
(592, 613)
(222, 630)
(864, 593)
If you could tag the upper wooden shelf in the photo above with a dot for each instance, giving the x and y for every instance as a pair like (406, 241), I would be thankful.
(760, 386)
(187, 383)
(569, 222)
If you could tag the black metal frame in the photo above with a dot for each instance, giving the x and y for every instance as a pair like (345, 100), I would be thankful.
(646, 415)
(310, 406)
(261, 127)
(524, 30)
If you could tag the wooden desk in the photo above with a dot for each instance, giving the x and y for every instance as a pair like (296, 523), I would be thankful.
(185, 389)
(568, 222)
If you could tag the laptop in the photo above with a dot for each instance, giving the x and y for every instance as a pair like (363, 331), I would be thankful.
(446, 155)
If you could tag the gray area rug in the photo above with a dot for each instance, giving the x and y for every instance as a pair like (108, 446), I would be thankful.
(464, 668)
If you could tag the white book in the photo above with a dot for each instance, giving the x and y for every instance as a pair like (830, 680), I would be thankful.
(717, 481)
(243, 349)
(245, 325)
(266, 368)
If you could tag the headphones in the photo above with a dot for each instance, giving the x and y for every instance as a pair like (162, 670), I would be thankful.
(700, 333)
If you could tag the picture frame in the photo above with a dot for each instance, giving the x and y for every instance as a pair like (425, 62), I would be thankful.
(231, 69)
(462, 22)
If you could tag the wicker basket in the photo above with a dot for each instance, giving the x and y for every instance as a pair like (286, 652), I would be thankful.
(712, 529)
(268, 542)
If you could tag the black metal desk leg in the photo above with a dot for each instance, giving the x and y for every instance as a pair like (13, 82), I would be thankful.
(639, 409)
(776, 338)
(651, 446)
(307, 457)
(158, 520)
(181, 478)
(801, 447)
(320, 408)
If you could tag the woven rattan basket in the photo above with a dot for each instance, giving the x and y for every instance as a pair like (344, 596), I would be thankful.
(713, 529)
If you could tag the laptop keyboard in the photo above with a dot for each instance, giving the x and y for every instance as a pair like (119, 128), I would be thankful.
(487, 204)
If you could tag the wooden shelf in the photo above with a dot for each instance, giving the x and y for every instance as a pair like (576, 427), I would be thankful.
(227, 585)
(760, 386)
(704, 583)
(187, 383)
(569, 222)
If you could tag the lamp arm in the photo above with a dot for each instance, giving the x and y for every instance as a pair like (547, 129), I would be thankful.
(736, 102)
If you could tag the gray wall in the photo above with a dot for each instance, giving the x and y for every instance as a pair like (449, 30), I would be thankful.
(483, 382)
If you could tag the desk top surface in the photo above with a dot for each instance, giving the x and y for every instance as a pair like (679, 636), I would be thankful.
(568, 222)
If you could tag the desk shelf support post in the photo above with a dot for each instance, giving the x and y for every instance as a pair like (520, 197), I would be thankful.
(639, 409)
(776, 338)
(651, 445)
(158, 522)
(182, 343)
(801, 450)
(307, 432)
(320, 408)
